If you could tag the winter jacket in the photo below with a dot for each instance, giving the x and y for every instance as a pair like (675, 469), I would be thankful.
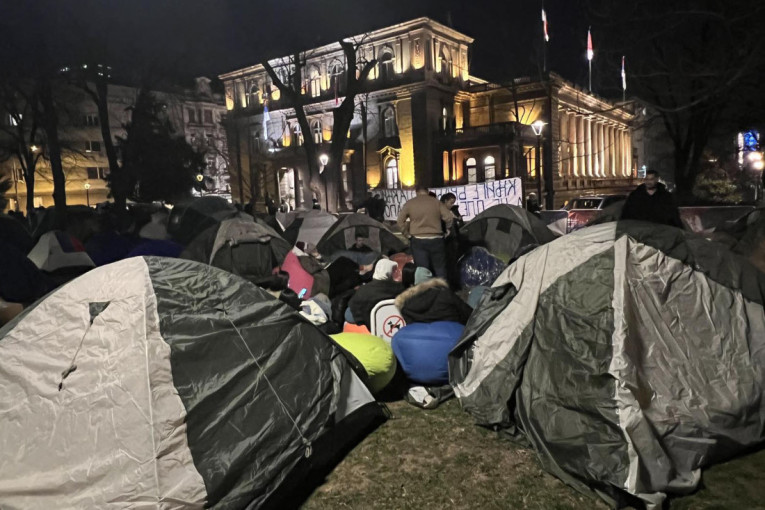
(432, 301)
(369, 295)
(657, 208)
(425, 214)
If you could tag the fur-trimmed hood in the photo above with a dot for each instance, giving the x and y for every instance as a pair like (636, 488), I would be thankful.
(416, 290)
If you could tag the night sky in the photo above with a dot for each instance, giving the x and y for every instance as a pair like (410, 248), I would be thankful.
(186, 38)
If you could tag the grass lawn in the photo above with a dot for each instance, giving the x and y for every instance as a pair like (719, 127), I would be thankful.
(439, 459)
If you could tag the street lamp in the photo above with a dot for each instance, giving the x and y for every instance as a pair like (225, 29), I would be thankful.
(538, 126)
(87, 192)
(34, 148)
(323, 160)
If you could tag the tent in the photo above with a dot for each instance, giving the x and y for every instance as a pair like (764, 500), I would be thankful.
(505, 230)
(189, 219)
(107, 247)
(62, 254)
(342, 235)
(629, 355)
(165, 383)
(14, 233)
(240, 246)
(156, 248)
(306, 226)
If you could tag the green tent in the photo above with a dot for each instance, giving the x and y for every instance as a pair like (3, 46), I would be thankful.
(629, 355)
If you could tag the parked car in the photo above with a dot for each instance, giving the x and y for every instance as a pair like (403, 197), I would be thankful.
(593, 202)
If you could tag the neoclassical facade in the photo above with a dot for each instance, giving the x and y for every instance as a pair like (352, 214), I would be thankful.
(422, 118)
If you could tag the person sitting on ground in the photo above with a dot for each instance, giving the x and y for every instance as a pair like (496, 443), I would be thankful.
(431, 300)
(360, 246)
(381, 287)
(652, 202)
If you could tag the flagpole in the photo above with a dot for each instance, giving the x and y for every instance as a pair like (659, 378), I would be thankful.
(590, 73)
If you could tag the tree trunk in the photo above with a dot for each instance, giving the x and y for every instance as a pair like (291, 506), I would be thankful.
(50, 125)
(29, 181)
(117, 185)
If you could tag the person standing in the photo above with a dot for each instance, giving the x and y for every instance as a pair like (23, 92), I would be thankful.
(452, 240)
(652, 202)
(420, 220)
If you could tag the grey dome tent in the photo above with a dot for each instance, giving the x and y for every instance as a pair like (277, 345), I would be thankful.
(188, 219)
(629, 355)
(166, 383)
(505, 231)
(342, 235)
(306, 226)
(250, 249)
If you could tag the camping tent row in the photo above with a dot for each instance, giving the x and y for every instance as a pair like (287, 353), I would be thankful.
(629, 355)
(171, 384)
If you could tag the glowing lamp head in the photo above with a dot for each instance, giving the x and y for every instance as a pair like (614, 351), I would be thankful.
(200, 177)
(324, 159)
(538, 126)
(87, 185)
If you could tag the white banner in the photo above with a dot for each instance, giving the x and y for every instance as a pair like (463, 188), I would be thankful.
(472, 199)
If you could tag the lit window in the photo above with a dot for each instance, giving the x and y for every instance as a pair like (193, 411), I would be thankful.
(19, 174)
(472, 170)
(389, 122)
(489, 168)
(446, 62)
(386, 64)
(345, 178)
(444, 119)
(297, 137)
(391, 173)
(316, 130)
(12, 120)
(335, 76)
(92, 146)
(315, 82)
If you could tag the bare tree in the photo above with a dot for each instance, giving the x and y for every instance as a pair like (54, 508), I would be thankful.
(326, 186)
(691, 61)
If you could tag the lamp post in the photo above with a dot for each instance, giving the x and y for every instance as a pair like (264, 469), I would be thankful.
(200, 178)
(87, 193)
(538, 126)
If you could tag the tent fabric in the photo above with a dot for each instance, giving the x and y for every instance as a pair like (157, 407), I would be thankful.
(307, 226)
(14, 233)
(342, 236)
(422, 350)
(240, 246)
(629, 355)
(107, 247)
(58, 250)
(189, 219)
(374, 354)
(478, 267)
(156, 248)
(505, 231)
(171, 384)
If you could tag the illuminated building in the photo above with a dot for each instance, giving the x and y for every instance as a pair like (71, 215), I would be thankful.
(428, 122)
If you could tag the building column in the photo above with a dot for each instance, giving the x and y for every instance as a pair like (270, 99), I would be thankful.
(574, 150)
(623, 152)
(564, 159)
(590, 127)
(602, 149)
(618, 168)
(597, 147)
(612, 150)
(629, 153)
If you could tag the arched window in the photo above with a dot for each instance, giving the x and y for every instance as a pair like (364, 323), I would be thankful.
(391, 173)
(472, 170)
(389, 122)
(489, 169)
(297, 136)
(314, 82)
(387, 59)
(335, 71)
(254, 94)
(316, 131)
(446, 61)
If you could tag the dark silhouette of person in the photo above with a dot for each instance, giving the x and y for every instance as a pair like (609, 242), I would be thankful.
(652, 202)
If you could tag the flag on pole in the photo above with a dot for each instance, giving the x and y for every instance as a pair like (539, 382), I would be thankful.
(544, 25)
(266, 118)
(624, 75)
(590, 51)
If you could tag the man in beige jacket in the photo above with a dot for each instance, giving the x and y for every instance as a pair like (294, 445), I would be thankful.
(420, 220)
